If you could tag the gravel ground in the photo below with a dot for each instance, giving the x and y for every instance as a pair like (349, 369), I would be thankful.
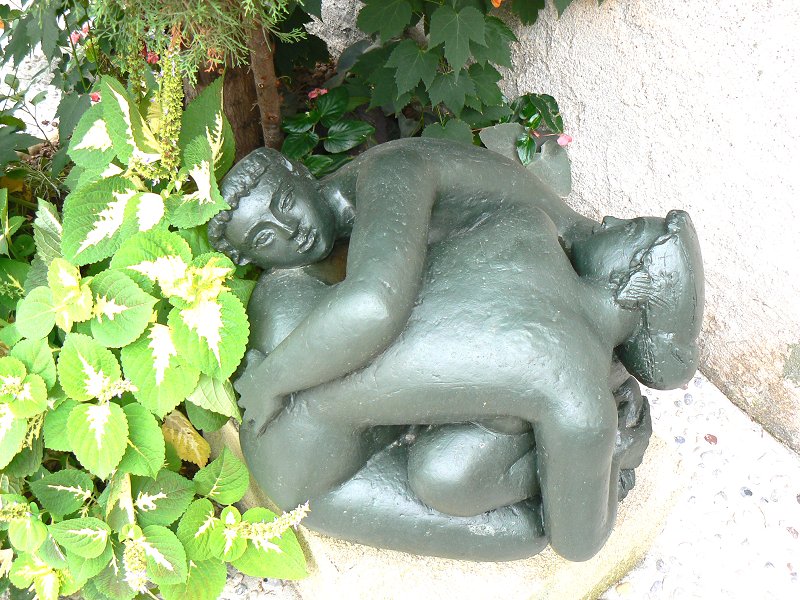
(733, 533)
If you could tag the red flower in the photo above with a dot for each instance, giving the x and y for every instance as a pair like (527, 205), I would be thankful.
(75, 37)
(94, 96)
(316, 92)
(151, 58)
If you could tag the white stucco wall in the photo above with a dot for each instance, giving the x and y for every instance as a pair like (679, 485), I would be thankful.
(694, 105)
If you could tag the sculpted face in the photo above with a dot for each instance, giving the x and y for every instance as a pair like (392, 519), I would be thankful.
(282, 222)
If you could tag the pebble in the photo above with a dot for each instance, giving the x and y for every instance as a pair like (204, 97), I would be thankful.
(746, 491)
(710, 438)
(624, 589)
(688, 399)
(680, 439)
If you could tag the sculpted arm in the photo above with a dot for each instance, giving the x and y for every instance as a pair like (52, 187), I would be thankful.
(362, 315)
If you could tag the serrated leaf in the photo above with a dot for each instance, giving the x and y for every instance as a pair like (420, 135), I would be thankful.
(72, 299)
(94, 219)
(37, 357)
(389, 17)
(257, 561)
(225, 541)
(26, 535)
(211, 334)
(166, 558)
(243, 288)
(161, 376)
(52, 554)
(47, 231)
(144, 211)
(144, 454)
(36, 316)
(30, 570)
(63, 492)
(452, 89)
(498, 50)
(215, 395)
(485, 78)
(456, 30)
(55, 426)
(196, 208)
(119, 504)
(163, 500)
(12, 435)
(25, 394)
(204, 117)
(98, 435)
(195, 527)
(13, 275)
(205, 581)
(225, 480)
(189, 444)
(205, 420)
(153, 256)
(91, 146)
(121, 309)
(413, 64)
(346, 134)
(112, 581)
(83, 569)
(454, 129)
(133, 141)
(86, 370)
(86, 537)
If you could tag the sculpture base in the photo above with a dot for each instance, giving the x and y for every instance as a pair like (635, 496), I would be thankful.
(345, 569)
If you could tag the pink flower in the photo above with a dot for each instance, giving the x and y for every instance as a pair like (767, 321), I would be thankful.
(94, 96)
(85, 30)
(316, 92)
(564, 139)
(151, 58)
(75, 37)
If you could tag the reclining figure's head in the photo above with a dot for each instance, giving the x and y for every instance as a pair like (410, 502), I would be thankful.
(277, 216)
(653, 265)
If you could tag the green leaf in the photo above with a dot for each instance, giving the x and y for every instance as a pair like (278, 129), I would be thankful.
(215, 395)
(526, 148)
(289, 563)
(133, 141)
(86, 537)
(83, 569)
(72, 299)
(224, 480)
(24, 393)
(485, 79)
(111, 581)
(152, 256)
(498, 49)
(36, 315)
(197, 238)
(527, 10)
(243, 288)
(166, 558)
(452, 89)
(28, 461)
(144, 454)
(37, 357)
(98, 435)
(344, 135)
(297, 145)
(163, 500)
(389, 17)
(94, 219)
(332, 105)
(91, 146)
(206, 581)
(121, 310)
(203, 419)
(413, 65)
(195, 527)
(160, 374)
(211, 335)
(12, 435)
(86, 370)
(196, 208)
(561, 5)
(301, 122)
(13, 274)
(70, 111)
(204, 117)
(55, 426)
(452, 130)
(51, 553)
(456, 30)
(547, 107)
(47, 231)
(28, 534)
(118, 501)
(225, 541)
(63, 492)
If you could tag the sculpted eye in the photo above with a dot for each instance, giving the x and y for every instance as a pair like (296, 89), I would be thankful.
(286, 203)
(263, 238)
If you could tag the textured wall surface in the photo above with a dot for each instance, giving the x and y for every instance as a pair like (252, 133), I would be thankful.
(689, 105)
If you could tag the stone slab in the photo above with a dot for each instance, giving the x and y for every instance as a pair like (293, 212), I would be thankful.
(353, 571)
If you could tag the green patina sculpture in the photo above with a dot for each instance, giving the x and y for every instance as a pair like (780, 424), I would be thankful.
(459, 393)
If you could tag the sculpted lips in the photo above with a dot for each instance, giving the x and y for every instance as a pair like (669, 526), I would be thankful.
(305, 239)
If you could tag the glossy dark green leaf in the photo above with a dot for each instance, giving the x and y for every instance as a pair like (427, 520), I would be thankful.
(300, 122)
(332, 105)
(344, 135)
(297, 145)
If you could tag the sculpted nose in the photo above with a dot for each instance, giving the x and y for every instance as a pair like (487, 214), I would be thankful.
(285, 229)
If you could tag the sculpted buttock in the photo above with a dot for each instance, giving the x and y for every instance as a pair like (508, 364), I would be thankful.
(462, 391)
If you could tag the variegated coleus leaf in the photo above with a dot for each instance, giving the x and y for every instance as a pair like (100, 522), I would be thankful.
(87, 537)
(121, 310)
(63, 492)
(87, 370)
(100, 216)
(36, 315)
(91, 147)
(162, 377)
(12, 434)
(205, 118)
(24, 393)
(98, 434)
(189, 209)
(132, 139)
(156, 256)
(72, 299)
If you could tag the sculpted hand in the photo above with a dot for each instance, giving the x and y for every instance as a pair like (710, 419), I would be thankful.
(259, 401)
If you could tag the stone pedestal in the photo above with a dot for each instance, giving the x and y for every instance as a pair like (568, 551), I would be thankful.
(347, 570)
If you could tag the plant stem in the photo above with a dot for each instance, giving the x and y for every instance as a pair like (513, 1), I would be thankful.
(269, 101)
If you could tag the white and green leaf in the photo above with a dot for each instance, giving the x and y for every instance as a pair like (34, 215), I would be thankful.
(37, 357)
(205, 118)
(72, 298)
(98, 434)
(224, 480)
(55, 426)
(91, 146)
(195, 527)
(36, 315)
(205, 581)
(121, 309)
(163, 500)
(86, 370)
(166, 558)
(195, 208)
(145, 452)
(161, 376)
(26, 535)
(226, 541)
(156, 256)
(86, 536)
(258, 560)
(12, 435)
(63, 492)
(132, 139)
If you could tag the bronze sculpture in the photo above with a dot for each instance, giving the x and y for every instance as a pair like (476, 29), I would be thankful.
(457, 393)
